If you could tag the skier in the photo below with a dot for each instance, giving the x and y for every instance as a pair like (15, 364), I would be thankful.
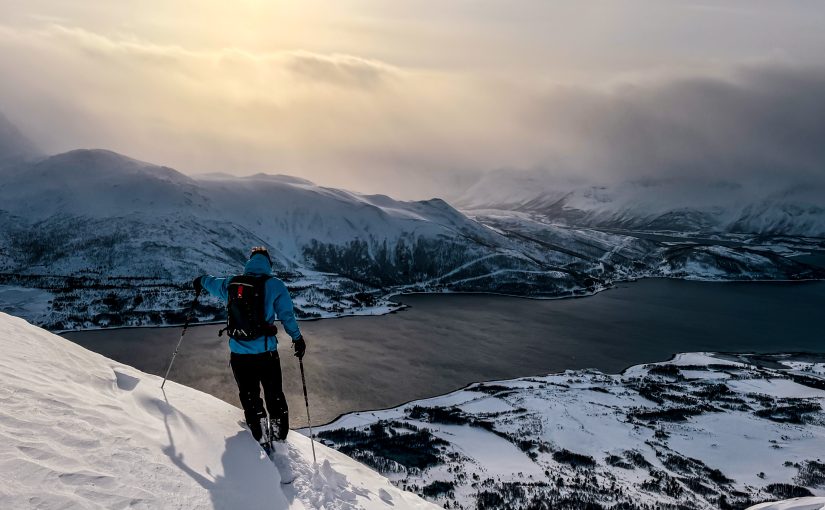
(255, 300)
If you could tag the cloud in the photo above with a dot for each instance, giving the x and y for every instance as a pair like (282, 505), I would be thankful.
(345, 70)
(336, 69)
(362, 123)
(224, 109)
(764, 121)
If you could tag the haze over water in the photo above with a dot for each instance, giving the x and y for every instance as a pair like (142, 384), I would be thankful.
(444, 342)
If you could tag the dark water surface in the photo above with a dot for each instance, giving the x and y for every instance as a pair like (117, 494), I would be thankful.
(443, 342)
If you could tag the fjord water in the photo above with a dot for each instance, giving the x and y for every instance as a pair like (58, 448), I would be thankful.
(443, 342)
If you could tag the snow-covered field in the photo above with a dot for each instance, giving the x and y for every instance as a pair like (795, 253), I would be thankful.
(79, 431)
(700, 431)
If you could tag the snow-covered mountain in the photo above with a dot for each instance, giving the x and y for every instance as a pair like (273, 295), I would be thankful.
(82, 431)
(91, 238)
(114, 241)
(696, 205)
(96, 212)
(107, 221)
(701, 431)
(95, 184)
(98, 184)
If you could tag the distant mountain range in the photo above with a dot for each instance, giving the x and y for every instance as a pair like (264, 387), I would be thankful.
(96, 194)
(113, 241)
(696, 205)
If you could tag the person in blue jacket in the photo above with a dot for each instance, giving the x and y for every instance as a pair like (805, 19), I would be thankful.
(255, 362)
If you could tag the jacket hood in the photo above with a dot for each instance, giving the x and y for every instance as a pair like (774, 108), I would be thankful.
(258, 264)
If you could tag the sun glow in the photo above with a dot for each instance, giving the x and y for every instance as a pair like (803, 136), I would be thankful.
(359, 93)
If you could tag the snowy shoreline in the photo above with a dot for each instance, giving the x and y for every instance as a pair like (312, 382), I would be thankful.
(621, 372)
(388, 307)
(684, 431)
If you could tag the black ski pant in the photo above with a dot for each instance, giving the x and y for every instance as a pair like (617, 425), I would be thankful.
(253, 371)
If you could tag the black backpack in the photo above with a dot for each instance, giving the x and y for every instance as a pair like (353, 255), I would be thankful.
(245, 314)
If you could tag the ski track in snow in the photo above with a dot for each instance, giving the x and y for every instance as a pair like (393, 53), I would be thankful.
(78, 430)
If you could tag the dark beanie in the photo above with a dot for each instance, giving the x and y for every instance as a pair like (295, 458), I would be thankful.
(262, 251)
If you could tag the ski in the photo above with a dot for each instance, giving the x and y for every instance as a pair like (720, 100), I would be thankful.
(282, 462)
(276, 451)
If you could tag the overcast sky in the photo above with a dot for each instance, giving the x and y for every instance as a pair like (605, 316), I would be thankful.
(409, 97)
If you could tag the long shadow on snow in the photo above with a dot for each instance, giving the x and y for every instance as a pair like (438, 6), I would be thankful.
(238, 487)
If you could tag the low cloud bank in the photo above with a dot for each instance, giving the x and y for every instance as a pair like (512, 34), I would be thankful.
(764, 122)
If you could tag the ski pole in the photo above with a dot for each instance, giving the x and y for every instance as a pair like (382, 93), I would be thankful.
(309, 420)
(185, 325)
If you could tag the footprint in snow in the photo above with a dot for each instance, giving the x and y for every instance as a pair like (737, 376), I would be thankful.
(126, 382)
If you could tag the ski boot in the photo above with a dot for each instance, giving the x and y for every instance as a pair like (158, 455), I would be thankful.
(267, 438)
(280, 426)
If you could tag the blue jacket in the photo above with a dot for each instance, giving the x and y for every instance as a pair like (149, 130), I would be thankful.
(278, 305)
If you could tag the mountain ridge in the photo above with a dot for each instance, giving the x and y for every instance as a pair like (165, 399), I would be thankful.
(687, 205)
(111, 241)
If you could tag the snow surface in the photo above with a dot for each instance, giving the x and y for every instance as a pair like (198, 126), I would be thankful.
(79, 430)
(739, 437)
(793, 504)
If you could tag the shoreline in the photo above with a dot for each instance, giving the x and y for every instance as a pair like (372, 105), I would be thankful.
(400, 307)
(548, 374)
(557, 342)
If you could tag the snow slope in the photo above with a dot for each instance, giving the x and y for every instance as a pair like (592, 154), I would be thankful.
(286, 212)
(81, 431)
(793, 504)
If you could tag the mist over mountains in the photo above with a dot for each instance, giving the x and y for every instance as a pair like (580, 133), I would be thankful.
(735, 151)
(673, 204)
(14, 146)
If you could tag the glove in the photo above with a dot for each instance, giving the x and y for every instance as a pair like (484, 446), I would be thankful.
(300, 347)
(197, 284)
